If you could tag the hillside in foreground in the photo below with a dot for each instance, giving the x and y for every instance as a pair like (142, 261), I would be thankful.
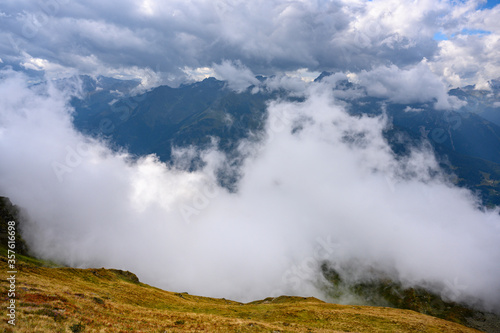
(51, 298)
(106, 300)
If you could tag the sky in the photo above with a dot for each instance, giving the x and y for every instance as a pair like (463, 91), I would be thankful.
(320, 185)
(171, 42)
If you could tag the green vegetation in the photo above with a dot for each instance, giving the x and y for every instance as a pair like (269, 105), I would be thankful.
(10, 212)
(379, 290)
(382, 290)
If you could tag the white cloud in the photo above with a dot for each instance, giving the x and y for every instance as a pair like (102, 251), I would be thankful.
(50, 69)
(410, 109)
(415, 84)
(238, 76)
(470, 58)
(410, 19)
(268, 37)
(303, 74)
(199, 74)
(148, 7)
(334, 176)
(293, 85)
(109, 36)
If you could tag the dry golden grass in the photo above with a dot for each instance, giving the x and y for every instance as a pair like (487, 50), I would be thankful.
(100, 300)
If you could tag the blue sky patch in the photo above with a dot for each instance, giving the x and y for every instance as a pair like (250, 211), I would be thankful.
(475, 32)
(439, 36)
(489, 4)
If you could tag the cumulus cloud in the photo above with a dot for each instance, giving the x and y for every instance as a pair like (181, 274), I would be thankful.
(318, 178)
(469, 59)
(198, 74)
(410, 109)
(469, 55)
(416, 84)
(237, 76)
(266, 36)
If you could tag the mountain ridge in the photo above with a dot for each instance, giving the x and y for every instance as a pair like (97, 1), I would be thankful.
(194, 114)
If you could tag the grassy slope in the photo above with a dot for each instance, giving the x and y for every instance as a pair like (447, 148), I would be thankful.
(103, 300)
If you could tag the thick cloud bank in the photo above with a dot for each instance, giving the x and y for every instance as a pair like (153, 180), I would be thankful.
(131, 38)
(320, 185)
